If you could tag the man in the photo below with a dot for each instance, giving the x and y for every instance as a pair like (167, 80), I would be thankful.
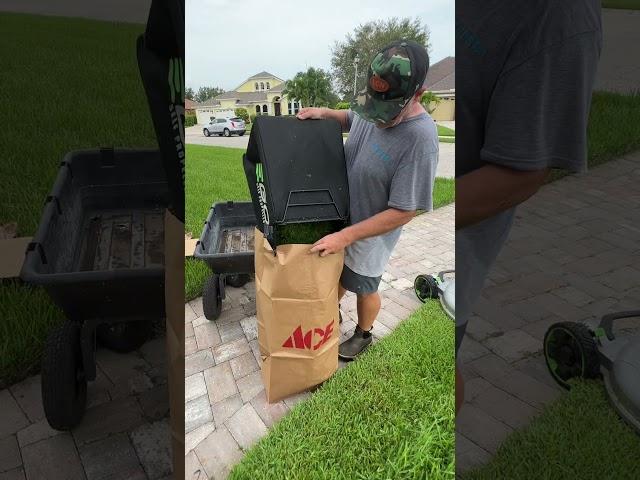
(525, 73)
(391, 156)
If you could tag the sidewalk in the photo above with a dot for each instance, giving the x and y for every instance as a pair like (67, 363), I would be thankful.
(573, 255)
(225, 410)
(124, 433)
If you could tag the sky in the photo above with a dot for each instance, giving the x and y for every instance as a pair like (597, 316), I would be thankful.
(229, 41)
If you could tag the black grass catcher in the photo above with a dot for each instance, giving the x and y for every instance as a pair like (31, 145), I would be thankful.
(296, 173)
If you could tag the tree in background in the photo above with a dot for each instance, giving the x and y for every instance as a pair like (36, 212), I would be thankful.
(188, 93)
(342, 106)
(312, 88)
(242, 113)
(430, 101)
(365, 42)
(205, 93)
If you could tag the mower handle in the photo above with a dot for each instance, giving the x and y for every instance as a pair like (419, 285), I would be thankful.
(607, 321)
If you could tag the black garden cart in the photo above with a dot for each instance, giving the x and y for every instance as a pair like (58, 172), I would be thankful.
(99, 254)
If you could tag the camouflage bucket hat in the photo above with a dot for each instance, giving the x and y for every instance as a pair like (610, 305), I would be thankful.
(395, 75)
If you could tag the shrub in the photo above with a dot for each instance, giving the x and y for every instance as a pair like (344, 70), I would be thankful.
(242, 113)
(252, 117)
(190, 120)
(343, 106)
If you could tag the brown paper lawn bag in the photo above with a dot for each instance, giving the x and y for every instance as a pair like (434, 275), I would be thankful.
(297, 310)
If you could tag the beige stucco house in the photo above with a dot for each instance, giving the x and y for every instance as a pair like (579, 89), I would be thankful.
(260, 94)
(441, 80)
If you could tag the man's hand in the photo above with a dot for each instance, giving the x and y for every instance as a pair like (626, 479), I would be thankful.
(331, 243)
(314, 113)
(321, 113)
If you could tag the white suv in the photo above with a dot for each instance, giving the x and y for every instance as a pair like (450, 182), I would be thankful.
(224, 126)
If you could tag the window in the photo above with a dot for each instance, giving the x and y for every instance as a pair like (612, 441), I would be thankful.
(257, 109)
(294, 107)
(268, 86)
(264, 110)
(261, 85)
(256, 86)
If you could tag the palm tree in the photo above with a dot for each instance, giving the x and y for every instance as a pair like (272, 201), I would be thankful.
(312, 88)
(430, 101)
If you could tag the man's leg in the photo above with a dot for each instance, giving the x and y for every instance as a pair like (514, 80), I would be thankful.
(368, 305)
(341, 292)
(459, 389)
(368, 308)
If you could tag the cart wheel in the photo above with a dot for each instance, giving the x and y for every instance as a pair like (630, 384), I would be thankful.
(570, 352)
(212, 298)
(64, 386)
(238, 280)
(123, 336)
(426, 287)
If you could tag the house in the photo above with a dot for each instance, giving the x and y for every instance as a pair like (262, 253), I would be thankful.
(441, 80)
(260, 94)
(190, 106)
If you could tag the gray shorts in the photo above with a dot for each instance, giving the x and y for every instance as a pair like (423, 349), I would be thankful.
(358, 284)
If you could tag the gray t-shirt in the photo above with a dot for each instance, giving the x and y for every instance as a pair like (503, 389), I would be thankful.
(525, 71)
(387, 168)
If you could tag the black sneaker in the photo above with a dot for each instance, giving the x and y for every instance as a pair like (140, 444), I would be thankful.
(353, 347)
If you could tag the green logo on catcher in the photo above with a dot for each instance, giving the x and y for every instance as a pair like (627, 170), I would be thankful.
(262, 194)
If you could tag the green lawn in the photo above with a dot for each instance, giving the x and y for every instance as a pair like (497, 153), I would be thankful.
(446, 131)
(624, 4)
(579, 436)
(614, 128)
(77, 75)
(215, 174)
(388, 415)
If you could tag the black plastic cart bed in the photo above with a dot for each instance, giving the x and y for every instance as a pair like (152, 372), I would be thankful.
(226, 245)
(99, 254)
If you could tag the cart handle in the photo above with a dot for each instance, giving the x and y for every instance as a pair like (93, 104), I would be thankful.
(37, 246)
(57, 202)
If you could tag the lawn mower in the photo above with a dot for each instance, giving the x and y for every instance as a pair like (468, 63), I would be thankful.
(574, 350)
(442, 286)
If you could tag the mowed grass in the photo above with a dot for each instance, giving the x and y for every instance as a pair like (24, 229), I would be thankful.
(388, 415)
(579, 436)
(74, 84)
(216, 174)
(613, 130)
(614, 126)
(445, 131)
(624, 4)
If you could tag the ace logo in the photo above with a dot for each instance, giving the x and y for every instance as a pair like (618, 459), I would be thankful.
(303, 341)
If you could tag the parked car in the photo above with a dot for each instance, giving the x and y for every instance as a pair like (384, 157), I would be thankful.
(224, 126)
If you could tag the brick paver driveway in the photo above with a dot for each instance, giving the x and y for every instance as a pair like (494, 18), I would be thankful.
(124, 433)
(225, 410)
(574, 254)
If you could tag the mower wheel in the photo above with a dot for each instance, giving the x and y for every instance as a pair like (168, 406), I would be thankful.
(426, 287)
(570, 351)
(64, 386)
(212, 298)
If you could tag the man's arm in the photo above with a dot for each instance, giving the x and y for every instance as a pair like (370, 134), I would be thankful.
(379, 224)
(492, 189)
(321, 113)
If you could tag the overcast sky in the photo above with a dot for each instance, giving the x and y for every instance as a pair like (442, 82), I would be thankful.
(228, 41)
